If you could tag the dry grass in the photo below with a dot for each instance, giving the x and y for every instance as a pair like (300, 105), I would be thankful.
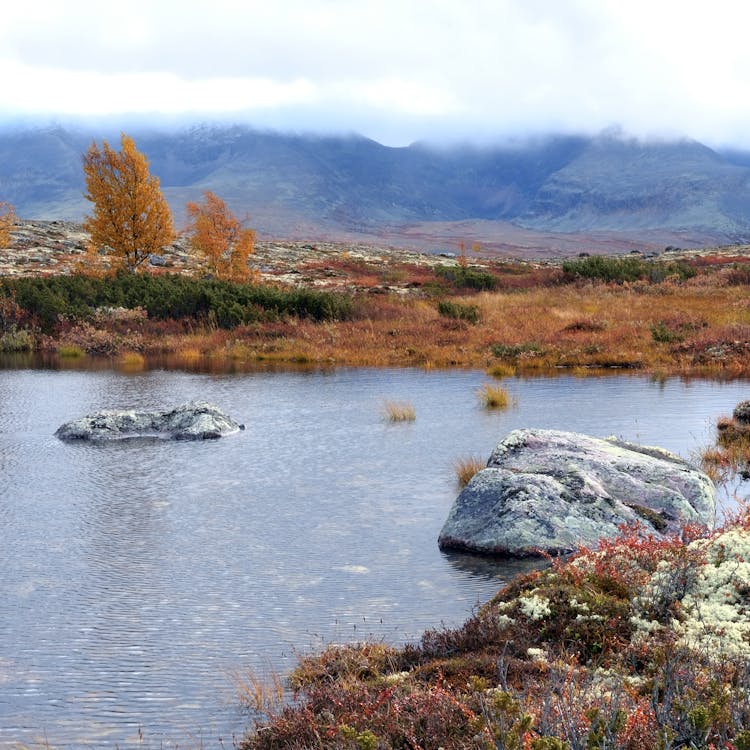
(70, 351)
(132, 361)
(696, 328)
(260, 694)
(501, 371)
(494, 396)
(466, 468)
(398, 411)
(731, 453)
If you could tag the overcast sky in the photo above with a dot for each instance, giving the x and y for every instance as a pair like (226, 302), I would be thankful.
(394, 70)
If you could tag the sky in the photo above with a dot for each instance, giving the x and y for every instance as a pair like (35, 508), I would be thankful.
(393, 70)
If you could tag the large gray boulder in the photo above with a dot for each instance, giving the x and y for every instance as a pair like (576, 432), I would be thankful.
(196, 420)
(546, 491)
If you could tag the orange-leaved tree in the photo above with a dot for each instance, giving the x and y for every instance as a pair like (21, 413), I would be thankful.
(131, 218)
(7, 220)
(216, 235)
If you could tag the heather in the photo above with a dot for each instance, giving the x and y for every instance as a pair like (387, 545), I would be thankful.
(635, 644)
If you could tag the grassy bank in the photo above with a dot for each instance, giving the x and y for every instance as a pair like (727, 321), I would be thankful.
(687, 320)
(636, 645)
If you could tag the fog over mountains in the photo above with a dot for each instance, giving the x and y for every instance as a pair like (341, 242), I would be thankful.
(571, 190)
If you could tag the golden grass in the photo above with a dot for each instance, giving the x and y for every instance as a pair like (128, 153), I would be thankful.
(398, 411)
(132, 360)
(466, 468)
(535, 330)
(501, 371)
(494, 396)
(189, 354)
(70, 351)
(261, 694)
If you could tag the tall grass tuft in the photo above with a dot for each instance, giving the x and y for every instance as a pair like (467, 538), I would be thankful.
(501, 370)
(260, 694)
(494, 396)
(466, 468)
(396, 411)
(132, 360)
(70, 351)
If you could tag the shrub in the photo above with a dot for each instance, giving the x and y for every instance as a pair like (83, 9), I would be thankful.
(465, 277)
(513, 351)
(15, 340)
(619, 270)
(457, 311)
(170, 296)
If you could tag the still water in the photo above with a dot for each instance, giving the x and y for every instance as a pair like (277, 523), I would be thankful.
(137, 579)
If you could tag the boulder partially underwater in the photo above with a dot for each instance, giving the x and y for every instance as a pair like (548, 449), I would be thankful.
(197, 420)
(546, 491)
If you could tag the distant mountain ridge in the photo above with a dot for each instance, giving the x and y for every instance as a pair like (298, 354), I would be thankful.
(339, 186)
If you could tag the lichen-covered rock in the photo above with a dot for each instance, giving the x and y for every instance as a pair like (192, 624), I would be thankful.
(546, 491)
(196, 420)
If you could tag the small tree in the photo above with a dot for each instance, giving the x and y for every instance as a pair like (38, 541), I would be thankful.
(131, 216)
(7, 220)
(218, 237)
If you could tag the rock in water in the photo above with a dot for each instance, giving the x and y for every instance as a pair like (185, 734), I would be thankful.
(546, 491)
(196, 420)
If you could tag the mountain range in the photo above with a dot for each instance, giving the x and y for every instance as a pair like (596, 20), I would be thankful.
(554, 194)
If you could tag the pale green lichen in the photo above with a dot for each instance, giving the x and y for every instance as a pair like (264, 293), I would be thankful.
(717, 605)
(714, 607)
(534, 607)
(537, 654)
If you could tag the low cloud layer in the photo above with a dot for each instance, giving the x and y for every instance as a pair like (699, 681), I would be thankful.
(395, 71)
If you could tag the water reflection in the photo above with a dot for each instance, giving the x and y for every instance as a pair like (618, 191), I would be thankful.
(138, 575)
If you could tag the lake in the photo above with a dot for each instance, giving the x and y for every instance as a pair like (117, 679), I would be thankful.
(140, 578)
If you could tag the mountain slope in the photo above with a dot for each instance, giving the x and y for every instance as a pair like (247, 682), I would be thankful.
(338, 185)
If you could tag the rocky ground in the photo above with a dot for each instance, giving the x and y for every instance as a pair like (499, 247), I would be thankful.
(41, 248)
(53, 247)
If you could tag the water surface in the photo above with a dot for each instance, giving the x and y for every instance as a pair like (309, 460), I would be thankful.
(137, 577)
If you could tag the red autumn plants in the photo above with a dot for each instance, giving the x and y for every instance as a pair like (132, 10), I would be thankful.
(591, 652)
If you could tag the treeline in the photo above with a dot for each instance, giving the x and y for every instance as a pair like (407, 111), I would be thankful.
(224, 303)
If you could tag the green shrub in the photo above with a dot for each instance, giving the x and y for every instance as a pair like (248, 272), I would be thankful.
(170, 296)
(619, 270)
(664, 335)
(464, 277)
(512, 351)
(457, 311)
(16, 340)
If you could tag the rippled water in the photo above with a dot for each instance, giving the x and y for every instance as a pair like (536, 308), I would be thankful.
(138, 577)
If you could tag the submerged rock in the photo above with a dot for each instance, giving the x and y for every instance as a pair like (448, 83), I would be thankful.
(546, 491)
(196, 420)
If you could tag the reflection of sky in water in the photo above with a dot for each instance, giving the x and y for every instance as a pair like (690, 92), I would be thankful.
(138, 576)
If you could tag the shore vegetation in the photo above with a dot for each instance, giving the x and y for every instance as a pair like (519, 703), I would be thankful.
(636, 644)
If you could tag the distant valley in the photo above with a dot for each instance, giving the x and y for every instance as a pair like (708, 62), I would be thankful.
(550, 196)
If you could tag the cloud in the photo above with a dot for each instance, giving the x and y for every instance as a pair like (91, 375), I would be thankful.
(413, 68)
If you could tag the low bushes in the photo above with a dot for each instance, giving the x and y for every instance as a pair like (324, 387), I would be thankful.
(619, 269)
(170, 296)
(637, 644)
(465, 277)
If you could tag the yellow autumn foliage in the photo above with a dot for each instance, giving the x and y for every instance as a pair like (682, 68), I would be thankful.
(131, 218)
(217, 236)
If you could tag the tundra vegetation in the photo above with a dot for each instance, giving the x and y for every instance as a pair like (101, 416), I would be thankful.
(537, 319)
(636, 644)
